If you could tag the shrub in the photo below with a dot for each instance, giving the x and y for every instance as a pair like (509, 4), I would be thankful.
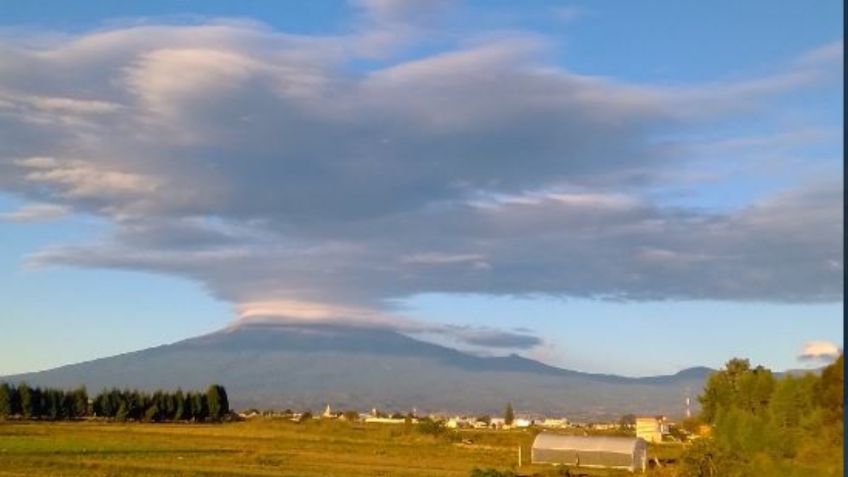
(431, 427)
(475, 472)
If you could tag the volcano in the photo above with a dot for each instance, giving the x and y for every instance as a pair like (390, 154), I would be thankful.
(308, 366)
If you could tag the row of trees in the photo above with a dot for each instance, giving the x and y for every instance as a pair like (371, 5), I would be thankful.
(763, 425)
(29, 402)
(38, 403)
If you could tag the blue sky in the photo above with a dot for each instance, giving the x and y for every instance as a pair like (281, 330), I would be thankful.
(589, 174)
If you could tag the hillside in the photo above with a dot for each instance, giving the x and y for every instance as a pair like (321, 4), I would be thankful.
(280, 366)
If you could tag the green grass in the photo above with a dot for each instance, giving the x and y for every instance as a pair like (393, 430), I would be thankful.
(261, 447)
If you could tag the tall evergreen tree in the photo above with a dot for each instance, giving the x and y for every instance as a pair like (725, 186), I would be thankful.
(170, 406)
(14, 401)
(190, 411)
(97, 405)
(123, 413)
(509, 414)
(53, 404)
(200, 407)
(115, 399)
(180, 408)
(152, 414)
(135, 404)
(5, 400)
(37, 402)
(219, 406)
(27, 407)
(79, 400)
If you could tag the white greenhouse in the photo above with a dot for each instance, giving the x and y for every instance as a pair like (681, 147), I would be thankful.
(590, 451)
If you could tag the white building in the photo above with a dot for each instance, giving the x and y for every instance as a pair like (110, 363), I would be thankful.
(651, 429)
(521, 422)
(554, 423)
(604, 426)
(386, 420)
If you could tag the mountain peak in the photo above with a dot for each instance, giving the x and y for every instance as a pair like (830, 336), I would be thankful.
(359, 367)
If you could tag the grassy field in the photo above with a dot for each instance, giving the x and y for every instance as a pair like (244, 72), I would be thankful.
(262, 447)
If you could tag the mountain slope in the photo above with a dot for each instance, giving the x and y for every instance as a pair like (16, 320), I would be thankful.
(306, 366)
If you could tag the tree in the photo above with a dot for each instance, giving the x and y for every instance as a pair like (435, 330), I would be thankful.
(27, 406)
(107, 403)
(122, 414)
(199, 406)
(37, 402)
(180, 408)
(219, 405)
(830, 391)
(509, 414)
(791, 401)
(189, 406)
(53, 404)
(790, 426)
(6, 391)
(737, 385)
(152, 414)
(431, 427)
(69, 405)
(754, 389)
(704, 459)
(157, 401)
(135, 404)
(14, 401)
(627, 421)
(169, 409)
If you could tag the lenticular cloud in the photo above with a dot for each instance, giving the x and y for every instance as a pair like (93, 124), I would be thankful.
(263, 166)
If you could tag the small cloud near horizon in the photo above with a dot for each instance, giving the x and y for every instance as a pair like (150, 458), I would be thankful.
(819, 352)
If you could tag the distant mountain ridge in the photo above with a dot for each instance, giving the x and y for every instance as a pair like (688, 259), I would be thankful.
(308, 366)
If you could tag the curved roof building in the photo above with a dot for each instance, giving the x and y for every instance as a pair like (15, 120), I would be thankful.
(592, 451)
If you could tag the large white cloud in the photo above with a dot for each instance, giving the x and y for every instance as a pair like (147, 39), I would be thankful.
(258, 164)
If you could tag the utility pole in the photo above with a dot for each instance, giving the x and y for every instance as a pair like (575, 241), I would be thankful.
(519, 455)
